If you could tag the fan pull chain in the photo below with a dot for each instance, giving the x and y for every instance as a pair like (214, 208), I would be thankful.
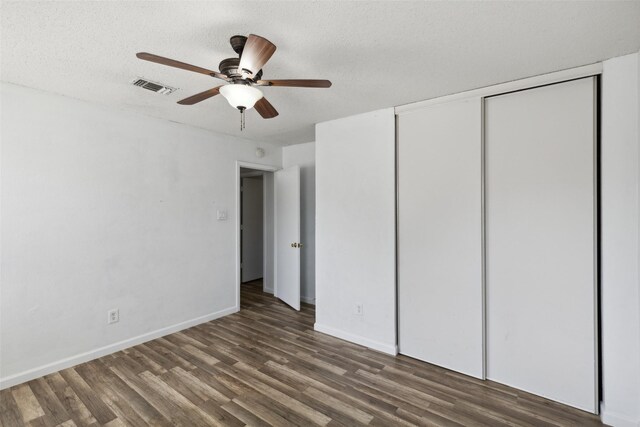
(242, 110)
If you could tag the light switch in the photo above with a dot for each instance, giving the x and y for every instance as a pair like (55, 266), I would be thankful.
(222, 214)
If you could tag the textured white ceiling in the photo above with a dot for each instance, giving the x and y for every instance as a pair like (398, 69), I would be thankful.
(377, 54)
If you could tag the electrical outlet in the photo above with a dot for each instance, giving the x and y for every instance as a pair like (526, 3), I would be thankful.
(113, 316)
(358, 309)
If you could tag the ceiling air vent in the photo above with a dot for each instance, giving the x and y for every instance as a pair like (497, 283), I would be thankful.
(154, 86)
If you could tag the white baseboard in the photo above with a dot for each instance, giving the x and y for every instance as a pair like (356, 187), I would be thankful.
(68, 362)
(308, 300)
(616, 420)
(391, 349)
(268, 290)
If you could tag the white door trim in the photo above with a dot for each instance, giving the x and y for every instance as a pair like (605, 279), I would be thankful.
(248, 165)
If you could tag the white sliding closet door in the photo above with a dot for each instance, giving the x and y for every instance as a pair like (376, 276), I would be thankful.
(540, 241)
(440, 295)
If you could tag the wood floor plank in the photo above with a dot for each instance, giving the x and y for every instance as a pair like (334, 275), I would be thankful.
(214, 382)
(125, 414)
(181, 387)
(163, 405)
(274, 381)
(10, 414)
(225, 418)
(283, 410)
(117, 390)
(348, 410)
(148, 363)
(256, 405)
(176, 360)
(27, 402)
(199, 388)
(157, 357)
(79, 413)
(267, 390)
(244, 415)
(196, 416)
(98, 378)
(200, 354)
(91, 400)
(266, 365)
(43, 421)
(49, 402)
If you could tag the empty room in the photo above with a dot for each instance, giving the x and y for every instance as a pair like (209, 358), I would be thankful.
(332, 213)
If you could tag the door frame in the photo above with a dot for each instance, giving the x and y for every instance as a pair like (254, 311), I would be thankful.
(238, 166)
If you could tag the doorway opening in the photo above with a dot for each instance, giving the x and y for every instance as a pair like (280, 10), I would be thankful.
(252, 228)
(255, 224)
(256, 230)
(268, 232)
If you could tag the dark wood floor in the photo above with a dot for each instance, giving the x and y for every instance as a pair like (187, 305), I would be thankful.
(266, 366)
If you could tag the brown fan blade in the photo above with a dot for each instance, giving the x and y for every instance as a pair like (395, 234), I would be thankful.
(265, 109)
(257, 51)
(177, 64)
(200, 96)
(295, 83)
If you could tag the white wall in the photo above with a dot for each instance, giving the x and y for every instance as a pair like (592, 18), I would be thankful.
(304, 155)
(107, 209)
(355, 229)
(620, 241)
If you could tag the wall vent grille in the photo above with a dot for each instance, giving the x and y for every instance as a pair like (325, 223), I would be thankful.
(153, 86)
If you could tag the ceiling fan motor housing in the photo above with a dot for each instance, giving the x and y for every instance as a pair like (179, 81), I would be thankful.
(231, 68)
(237, 43)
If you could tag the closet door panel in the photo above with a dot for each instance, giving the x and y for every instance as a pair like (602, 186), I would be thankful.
(540, 241)
(440, 296)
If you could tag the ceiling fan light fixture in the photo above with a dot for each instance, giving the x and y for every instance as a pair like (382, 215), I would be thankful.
(241, 96)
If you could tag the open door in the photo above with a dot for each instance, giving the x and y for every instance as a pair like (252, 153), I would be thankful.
(287, 235)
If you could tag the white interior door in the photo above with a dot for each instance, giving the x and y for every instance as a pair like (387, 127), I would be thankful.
(540, 241)
(252, 225)
(287, 214)
(440, 295)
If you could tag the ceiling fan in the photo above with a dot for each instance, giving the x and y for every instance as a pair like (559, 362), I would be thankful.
(242, 75)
